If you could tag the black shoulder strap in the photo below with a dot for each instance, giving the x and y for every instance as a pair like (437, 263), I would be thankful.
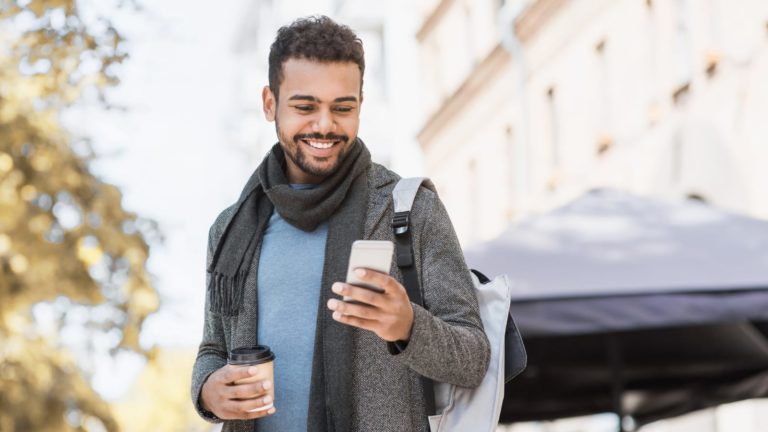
(404, 254)
(403, 196)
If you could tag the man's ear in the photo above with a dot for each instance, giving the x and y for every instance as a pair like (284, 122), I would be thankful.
(269, 103)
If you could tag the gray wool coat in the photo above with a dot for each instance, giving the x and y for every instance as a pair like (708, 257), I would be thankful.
(447, 341)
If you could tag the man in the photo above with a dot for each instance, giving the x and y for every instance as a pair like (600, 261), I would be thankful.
(277, 257)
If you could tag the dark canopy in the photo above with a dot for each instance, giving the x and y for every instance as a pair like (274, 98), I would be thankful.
(634, 305)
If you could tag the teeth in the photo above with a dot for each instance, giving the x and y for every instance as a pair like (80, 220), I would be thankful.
(320, 145)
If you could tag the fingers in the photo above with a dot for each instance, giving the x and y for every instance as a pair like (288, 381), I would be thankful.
(356, 310)
(375, 278)
(359, 294)
(365, 324)
(230, 374)
(246, 391)
(249, 399)
(389, 325)
(388, 314)
(246, 401)
(392, 288)
(364, 316)
(252, 408)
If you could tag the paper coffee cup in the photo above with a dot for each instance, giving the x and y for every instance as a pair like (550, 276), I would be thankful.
(263, 358)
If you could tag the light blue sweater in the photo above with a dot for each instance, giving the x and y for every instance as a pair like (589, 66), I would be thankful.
(289, 283)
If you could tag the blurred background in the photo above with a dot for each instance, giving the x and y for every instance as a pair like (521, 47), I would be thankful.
(126, 126)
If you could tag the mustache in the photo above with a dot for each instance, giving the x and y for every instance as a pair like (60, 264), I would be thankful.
(319, 136)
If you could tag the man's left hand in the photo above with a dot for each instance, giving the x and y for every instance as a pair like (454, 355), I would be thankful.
(388, 314)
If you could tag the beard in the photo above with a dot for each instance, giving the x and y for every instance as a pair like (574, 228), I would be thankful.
(292, 147)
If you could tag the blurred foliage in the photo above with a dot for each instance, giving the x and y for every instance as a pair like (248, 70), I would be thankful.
(169, 409)
(65, 238)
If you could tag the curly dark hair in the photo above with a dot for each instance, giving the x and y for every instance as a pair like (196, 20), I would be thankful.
(314, 38)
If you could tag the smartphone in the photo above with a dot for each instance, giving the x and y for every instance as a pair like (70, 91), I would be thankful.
(370, 254)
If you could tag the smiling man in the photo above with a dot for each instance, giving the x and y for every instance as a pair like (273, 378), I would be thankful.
(278, 256)
(316, 114)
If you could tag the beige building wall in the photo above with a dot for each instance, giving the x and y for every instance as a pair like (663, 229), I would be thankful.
(658, 97)
(661, 97)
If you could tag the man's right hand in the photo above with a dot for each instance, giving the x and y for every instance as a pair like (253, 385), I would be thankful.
(229, 401)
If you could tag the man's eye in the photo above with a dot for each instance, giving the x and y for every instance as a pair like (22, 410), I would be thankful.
(343, 109)
(305, 108)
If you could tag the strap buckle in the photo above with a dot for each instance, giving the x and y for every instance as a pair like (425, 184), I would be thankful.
(401, 221)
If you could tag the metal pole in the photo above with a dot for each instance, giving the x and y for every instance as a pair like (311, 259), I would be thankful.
(617, 378)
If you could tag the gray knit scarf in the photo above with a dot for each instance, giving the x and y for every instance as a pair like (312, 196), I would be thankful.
(341, 199)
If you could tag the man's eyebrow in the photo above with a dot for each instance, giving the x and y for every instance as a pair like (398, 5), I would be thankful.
(304, 98)
(310, 98)
(346, 99)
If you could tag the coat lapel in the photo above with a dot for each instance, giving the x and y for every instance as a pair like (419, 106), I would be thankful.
(381, 182)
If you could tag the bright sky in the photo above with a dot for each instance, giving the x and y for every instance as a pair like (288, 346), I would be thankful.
(170, 154)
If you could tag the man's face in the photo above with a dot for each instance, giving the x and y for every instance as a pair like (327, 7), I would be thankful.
(317, 116)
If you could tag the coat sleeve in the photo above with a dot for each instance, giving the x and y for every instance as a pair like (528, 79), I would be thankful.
(447, 342)
(212, 352)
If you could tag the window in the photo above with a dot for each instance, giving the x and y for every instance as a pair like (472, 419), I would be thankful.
(473, 188)
(605, 137)
(554, 139)
(713, 54)
(511, 163)
(652, 49)
(683, 56)
(554, 132)
(693, 196)
(677, 157)
(469, 31)
(681, 94)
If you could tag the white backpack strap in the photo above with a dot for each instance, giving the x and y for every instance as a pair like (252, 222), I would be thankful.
(405, 192)
(403, 196)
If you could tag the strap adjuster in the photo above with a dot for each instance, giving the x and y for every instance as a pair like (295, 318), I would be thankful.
(401, 221)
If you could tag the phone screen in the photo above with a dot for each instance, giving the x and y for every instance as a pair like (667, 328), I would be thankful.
(370, 254)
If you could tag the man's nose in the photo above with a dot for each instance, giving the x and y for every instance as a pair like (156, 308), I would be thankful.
(325, 122)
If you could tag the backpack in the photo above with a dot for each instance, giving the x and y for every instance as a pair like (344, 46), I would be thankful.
(449, 407)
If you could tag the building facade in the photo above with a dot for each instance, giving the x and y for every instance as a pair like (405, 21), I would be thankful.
(658, 97)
